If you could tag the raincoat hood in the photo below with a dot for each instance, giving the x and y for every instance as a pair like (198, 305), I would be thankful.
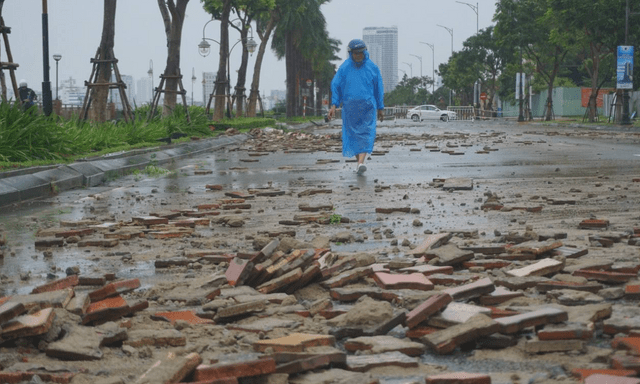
(366, 57)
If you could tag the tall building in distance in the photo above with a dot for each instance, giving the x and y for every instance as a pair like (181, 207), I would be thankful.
(208, 82)
(382, 44)
(143, 91)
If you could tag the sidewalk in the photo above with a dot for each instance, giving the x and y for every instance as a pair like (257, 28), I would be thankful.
(37, 182)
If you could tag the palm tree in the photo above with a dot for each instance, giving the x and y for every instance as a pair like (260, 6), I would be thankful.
(300, 35)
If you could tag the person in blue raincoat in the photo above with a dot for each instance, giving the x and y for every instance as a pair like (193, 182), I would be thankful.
(357, 86)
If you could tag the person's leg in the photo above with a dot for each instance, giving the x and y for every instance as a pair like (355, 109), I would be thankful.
(361, 157)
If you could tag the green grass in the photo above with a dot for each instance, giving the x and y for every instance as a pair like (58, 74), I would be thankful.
(30, 139)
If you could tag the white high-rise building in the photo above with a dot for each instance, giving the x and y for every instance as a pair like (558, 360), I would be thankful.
(382, 44)
(129, 91)
(143, 91)
(208, 82)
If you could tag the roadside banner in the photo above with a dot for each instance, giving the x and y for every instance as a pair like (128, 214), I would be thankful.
(625, 67)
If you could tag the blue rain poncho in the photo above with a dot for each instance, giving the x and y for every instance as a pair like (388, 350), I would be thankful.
(358, 87)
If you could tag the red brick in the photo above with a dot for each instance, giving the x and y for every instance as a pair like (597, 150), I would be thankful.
(631, 344)
(187, 316)
(150, 220)
(541, 268)
(416, 281)
(67, 282)
(567, 332)
(113, 289)
(487, 263)
(20, 377)
(429, 270)
(238, 271)
(419, 331)
(238, 195)
(214, 187)
(281, 282)
(364, 363)
(246, 368)
(442, 279)
(171, 369)
(295, 342)
(632, 291)
(609, 379)
(497, 313)
(583, 373)
(75, 232)
(546, 286)
(429, 307)
(106, 310)
(593, 223)
(353, 294)
(305, 364)
(109, 243)
(459, 378)
(47, 243)
(625, 362)
(346, 277)
(605, 276)
(156, 338)
(208, 207)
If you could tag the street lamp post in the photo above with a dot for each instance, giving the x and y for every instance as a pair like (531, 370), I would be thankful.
(450, 30)
(193, 82)
(475, 9)
(410, 67)
(204, 48)
(57, 58)
(433, 67)
(47, 106)
(419, 58)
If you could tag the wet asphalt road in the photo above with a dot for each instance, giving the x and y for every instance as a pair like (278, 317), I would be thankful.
(522, 153)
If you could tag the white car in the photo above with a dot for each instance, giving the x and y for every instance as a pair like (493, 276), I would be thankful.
(429, 112)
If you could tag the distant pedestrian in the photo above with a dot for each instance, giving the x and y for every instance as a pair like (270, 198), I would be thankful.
(27, 95)
(357, 86)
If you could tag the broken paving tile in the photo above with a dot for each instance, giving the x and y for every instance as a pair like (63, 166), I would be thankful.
(364, 363)
(569, 252)
(428, 270)
(347, 277)
(238, 271)
(472, 290)
(428, 308)
(547, 286)
(79, 304)
(353, 294)
(458, 378)
(573, 298)
(431, 241)
(593, 223)
(83, 343)
(35, 324)
(391, 210)
(534, 345)
(170, 369)
(447, 340)
(382, 344)
(233, 312)
(335, 376)
(535, 247)
(457, 313)
(113, 289)
(583, 373)
(304, 364)
(487, 263)
(105, 310)
(566, 331)
(499, 296)
(104, 243)
(605, 276)
(295, 342)
(520, 283)
(610, 379)
(541, 268)
(54, 299)
(449, 254)
(280, 282)
(416, 281)
(458, 183)
(187, 316)
(9, 310)
(67, 282)
(514, 324)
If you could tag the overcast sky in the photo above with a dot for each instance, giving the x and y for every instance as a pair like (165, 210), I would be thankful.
(75, 28)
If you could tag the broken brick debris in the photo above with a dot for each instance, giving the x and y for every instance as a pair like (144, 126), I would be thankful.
(113, 289)
(170, 369)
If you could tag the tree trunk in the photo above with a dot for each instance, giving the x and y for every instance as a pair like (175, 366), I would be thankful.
(221, 78)
(100, 93)
(173, 17)
(595, 69)
(292, 80)
(242, 72)
(255, 83)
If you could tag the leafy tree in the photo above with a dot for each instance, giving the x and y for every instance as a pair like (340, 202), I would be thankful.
(409, 91)
(173, 13)
(265, 24)
(595, 28)
(300, 36)
(220, 10)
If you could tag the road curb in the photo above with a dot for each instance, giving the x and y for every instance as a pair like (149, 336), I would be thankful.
(37, 182)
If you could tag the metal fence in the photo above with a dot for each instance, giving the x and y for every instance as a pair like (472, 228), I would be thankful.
(464, 113)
